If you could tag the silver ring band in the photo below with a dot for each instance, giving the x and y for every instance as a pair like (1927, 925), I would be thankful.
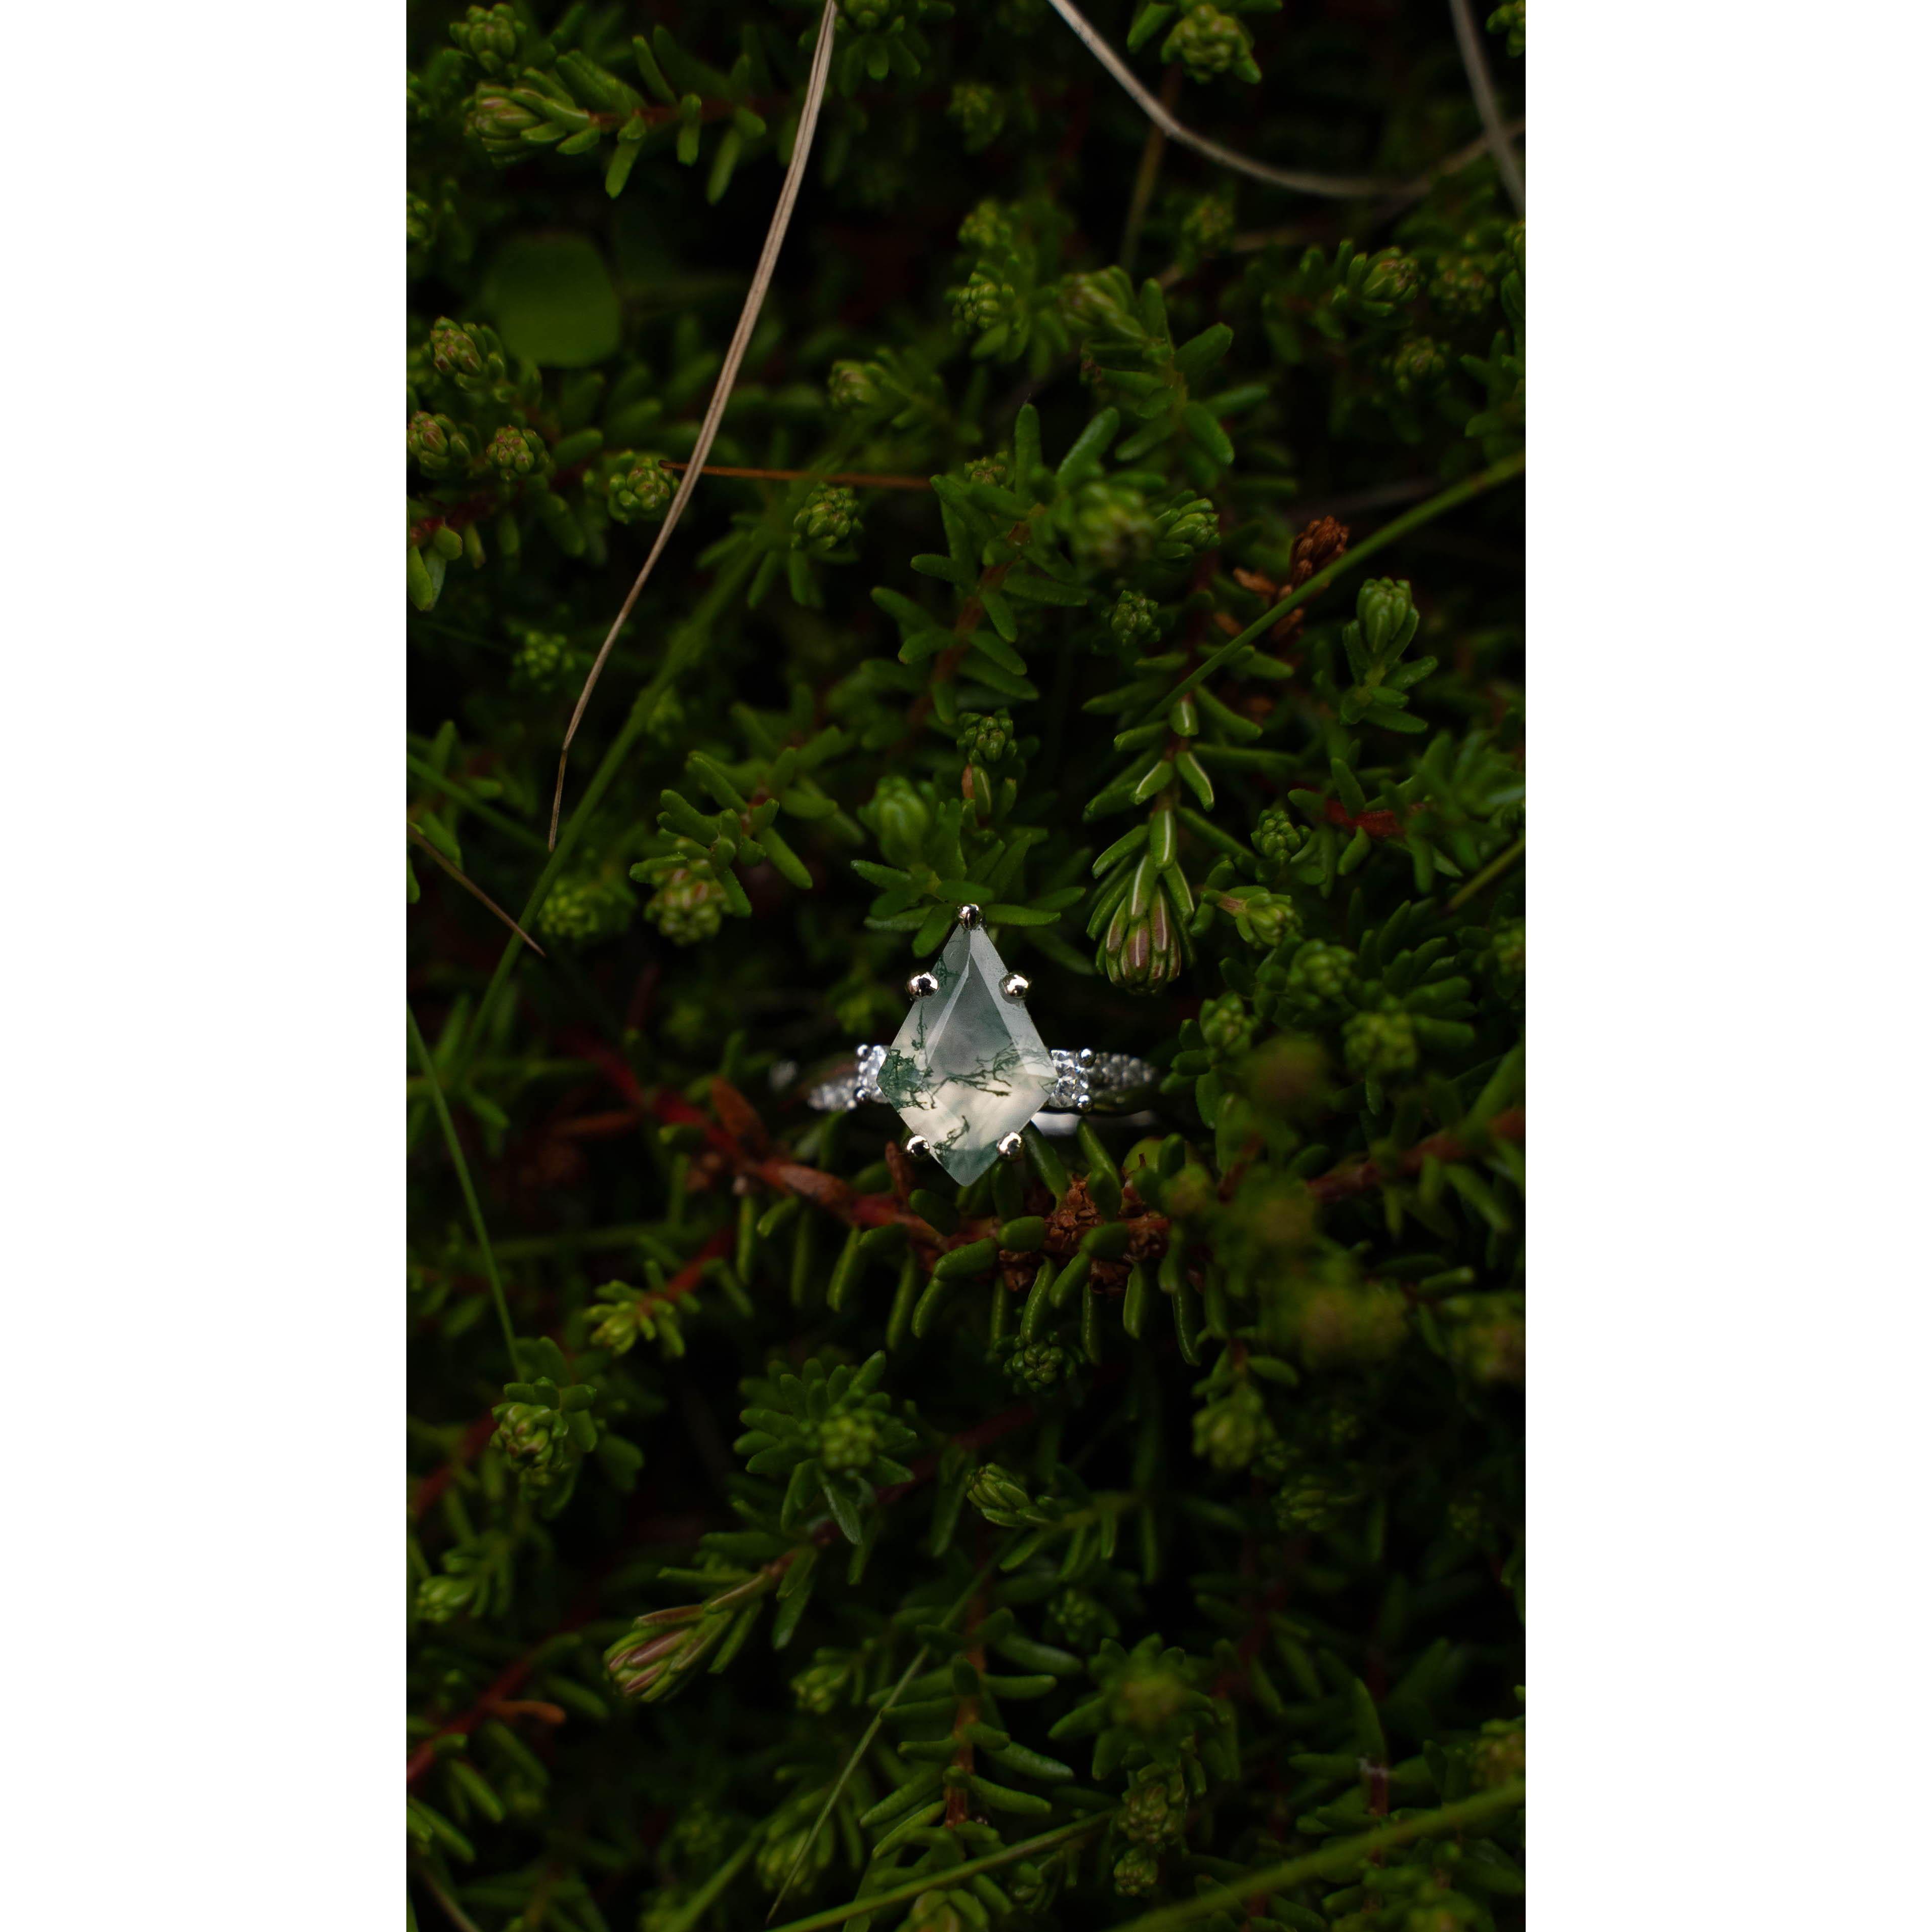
(1083, 1080)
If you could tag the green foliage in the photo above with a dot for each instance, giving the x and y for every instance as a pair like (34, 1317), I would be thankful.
(792, 1531)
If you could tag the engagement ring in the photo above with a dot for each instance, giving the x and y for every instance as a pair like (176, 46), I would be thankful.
(968, 1070)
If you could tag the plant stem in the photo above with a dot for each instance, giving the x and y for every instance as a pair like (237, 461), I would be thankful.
(904, 1894)
(1148, 172)
(728, 374)
(470, 886)
(510, 828)
(455, 1147)
(1490, 873)
(1476, 65)
(1328, 1861)
(863, 479)
(458, 1917)
(865, 1744)
(695, 1907)
(1424, 513)
(686, 642)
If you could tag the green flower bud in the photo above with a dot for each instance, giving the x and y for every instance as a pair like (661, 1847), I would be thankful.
(1391, 278)
(1134, 621)
(514, 453)
(853, 386)
(498, 123)
(1108, 524)
(901, 816)
(1208, 228)
(440, 1598)
(1509, 955)
(1278, 837)
(1500, 1754)
(1320, 973)
(986, 470)
(1000, 1496)
(581, 910)
(532, 1438)
(687, 906)
(490, 36)
(1080, 1620)
(701, 1838)
(422, 222)
(1208, 42)
(1150, 1694)
(1154, 1812)
(829, 519)
(1462, 284)
(1386, 614)
(985, 738)
(847, 1440)
(780, 1852)
(1142, 954)
(1191, 1191)
(1510, 18)
(1137, 1872)
(1418, 364)
(1226, 1026)
(1313, 1503)
(1265, 919)
(1229, 1433)
(1344, 1324)
(1194, 526)
(982, 302)
(816, 1689)
(1038, 1366)
(468, 353)
(640, 492)
(1379, 1044)
(438, 444)
(988, 230)
(936, 1911)
(544, 662)
(1488, 1339)
(980, 112)
(1101, 303)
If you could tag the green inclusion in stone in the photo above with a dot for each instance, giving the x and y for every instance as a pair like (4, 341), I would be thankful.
(968, 1067)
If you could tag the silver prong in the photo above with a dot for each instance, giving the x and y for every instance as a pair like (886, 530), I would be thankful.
(1085, 1058)
(1015, 985)
(1011, 1147)
(921, 986)
(919, 1148)
(967, 915)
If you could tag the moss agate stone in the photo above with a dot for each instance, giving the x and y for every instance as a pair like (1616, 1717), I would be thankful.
(968, 1066)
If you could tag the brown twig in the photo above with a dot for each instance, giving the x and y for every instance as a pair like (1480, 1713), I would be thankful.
(734, 354)
(475, 891)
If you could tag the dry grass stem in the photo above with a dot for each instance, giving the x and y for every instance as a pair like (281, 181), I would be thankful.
(754, 298)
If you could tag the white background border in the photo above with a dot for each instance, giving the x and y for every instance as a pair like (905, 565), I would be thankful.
(204, 677)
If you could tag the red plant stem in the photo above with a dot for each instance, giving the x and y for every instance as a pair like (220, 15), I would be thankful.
(1363, 1176)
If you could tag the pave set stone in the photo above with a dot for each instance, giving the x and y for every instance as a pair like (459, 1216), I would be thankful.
(968, 1066)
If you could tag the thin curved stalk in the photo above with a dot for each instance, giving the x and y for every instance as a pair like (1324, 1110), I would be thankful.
(475, 891)
(1340, 187)
(1475, 64)
(427, 1062)
(720, 393)
(1340, 1856)
(905, 1894)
